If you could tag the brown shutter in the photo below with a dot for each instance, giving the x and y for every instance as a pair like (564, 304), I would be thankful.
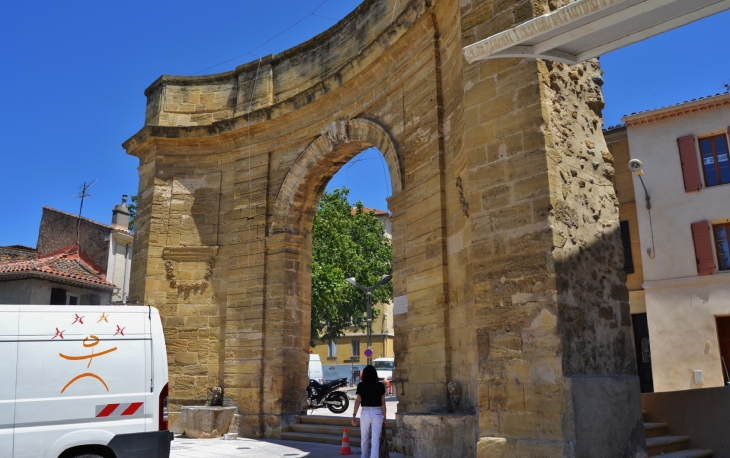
(690, 165)
(703, 248)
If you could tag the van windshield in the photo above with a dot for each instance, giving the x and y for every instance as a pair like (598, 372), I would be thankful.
(384, 365)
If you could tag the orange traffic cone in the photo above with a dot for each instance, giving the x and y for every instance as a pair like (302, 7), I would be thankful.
(345, 449)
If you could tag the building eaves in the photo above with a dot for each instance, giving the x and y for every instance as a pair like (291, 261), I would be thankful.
(69, 266)
(679, 109)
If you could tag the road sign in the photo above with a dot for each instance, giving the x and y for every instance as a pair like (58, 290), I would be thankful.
(368, 352)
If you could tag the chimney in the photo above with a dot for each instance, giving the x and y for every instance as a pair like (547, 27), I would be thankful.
(120, 215)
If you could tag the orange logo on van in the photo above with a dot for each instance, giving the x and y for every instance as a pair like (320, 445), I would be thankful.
(87, 344)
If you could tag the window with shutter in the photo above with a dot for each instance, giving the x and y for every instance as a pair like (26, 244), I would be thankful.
(690, 166)
(703, 248)
(715, 163)
(722, 245)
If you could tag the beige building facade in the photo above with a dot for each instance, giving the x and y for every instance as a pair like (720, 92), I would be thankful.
(344, 356)
(512, 318)
(684, 239)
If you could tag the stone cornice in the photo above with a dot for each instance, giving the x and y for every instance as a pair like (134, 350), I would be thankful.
(191, 253)
(674, 111)
(321, 85)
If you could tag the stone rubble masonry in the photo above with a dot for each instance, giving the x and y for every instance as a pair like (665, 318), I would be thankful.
(58, 231)
(505, 230)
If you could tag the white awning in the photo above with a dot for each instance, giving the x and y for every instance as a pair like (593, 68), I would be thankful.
(586, 29)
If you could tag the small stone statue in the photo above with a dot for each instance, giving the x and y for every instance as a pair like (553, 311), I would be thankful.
(454, 392)
(217, 398)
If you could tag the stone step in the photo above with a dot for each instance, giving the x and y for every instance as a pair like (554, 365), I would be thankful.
(666, 444)
(319, 438)
(695, 453)
(329, 429)
(335, 421)
(655, 429)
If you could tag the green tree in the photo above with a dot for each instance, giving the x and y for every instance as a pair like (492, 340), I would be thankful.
(345, 244)
(132, 212)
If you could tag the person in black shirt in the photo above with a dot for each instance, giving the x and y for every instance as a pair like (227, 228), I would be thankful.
(371, 395)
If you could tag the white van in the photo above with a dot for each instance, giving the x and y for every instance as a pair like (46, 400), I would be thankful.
(82, 381)
(384, 367)
(315, 368)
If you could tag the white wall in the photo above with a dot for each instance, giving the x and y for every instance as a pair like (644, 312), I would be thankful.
(673, 210)
(681, 306)
(37, 291)
(683, 332)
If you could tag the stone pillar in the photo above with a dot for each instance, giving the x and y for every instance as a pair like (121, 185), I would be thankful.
(556, 364)
(286, 330)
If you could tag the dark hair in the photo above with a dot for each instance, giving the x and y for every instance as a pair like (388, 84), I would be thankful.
(369, 374)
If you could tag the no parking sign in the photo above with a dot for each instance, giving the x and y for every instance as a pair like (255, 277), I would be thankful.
(368, 352)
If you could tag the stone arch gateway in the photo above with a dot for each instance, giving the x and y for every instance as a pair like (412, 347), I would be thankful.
(516, 338)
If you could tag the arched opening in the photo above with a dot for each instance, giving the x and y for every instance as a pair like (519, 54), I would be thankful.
(294, 213)
(352, 238)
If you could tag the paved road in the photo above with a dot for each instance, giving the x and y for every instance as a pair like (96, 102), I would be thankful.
(253, 448)
(269, 448)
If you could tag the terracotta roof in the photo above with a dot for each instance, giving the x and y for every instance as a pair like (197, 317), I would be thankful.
(367, 209)
(614, 128)
(678, 109)
(16, 253)
(66, 266)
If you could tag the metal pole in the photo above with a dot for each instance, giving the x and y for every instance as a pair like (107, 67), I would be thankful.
(370, 324)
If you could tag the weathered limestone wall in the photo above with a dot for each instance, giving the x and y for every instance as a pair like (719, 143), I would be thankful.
(551, 306)
(504, 230)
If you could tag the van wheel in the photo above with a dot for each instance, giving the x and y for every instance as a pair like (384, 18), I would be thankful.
(87, 455)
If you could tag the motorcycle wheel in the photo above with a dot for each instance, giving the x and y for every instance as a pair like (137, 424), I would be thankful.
(338, 396)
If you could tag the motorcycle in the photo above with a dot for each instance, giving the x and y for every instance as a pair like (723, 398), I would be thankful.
(326, 395)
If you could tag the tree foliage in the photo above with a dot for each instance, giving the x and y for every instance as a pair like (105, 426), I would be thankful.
(132, 212)
(346, 244)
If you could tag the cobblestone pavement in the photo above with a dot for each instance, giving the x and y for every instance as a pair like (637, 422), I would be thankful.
(253, 448)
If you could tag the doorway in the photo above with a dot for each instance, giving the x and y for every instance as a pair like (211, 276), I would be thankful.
(723, 337)
(643, 351)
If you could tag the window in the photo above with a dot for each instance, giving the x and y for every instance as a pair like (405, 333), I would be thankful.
(72, 299)
(356, 348)
(715, 163)
(626, 242)
(58, 296)
(332, 349)
(721, 232)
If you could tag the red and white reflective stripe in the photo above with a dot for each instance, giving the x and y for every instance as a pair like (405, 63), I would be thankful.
(120, 410)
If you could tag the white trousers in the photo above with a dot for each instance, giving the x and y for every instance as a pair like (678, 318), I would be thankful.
(371, 417)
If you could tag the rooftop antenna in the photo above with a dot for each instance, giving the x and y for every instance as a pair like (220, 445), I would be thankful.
(82, 196)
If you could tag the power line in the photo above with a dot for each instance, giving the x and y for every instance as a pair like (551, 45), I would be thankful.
(250, 52)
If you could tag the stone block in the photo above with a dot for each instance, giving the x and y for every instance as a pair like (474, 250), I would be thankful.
(206, 422)
(435, 435)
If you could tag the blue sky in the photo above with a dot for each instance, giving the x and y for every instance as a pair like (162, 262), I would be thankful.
(74, 74)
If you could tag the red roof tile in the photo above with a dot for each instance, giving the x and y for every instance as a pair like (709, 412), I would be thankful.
(375, 211)
(16, 253)
(68, 265)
